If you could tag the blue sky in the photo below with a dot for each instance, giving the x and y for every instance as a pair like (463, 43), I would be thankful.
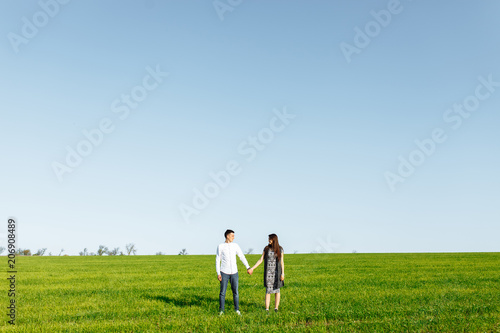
(318, 178)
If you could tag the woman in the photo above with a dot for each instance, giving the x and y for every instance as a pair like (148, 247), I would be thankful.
(274, 270)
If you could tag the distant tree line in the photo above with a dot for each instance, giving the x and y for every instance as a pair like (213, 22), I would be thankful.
(26, 252)
(130, 249)
(102, 250)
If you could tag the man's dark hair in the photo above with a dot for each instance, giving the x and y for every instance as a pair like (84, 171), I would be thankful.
(228, 231)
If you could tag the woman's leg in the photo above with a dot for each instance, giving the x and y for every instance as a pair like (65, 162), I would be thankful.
(277, 300)
(268, 300)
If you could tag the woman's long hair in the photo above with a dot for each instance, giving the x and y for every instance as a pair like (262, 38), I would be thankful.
(275, 246)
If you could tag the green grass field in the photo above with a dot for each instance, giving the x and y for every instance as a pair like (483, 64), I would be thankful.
(454, 292)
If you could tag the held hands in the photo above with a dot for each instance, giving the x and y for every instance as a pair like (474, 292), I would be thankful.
(250, 271)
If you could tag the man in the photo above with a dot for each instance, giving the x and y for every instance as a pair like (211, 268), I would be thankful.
(227, 270)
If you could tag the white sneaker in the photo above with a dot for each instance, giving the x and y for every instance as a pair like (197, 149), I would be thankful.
(238, 312)
(221, 313)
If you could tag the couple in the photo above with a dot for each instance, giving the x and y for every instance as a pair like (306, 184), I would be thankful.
(227, 270)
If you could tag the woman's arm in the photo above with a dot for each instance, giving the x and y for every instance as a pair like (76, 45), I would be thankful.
(258, 262)
(282, 266)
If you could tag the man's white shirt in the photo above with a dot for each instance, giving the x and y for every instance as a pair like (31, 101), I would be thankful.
(225, 261)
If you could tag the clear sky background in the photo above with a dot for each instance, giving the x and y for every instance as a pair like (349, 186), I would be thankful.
(320, 183)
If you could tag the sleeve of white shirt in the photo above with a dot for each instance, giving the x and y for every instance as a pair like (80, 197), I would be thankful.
(217, 261)
(242, 257)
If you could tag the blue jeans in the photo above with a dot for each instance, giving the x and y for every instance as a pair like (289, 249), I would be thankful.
(233, 278)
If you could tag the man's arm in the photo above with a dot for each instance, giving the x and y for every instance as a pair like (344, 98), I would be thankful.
(242, 257)
(217, 263)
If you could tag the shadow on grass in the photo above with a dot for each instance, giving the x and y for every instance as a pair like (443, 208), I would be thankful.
(201, 301)
(185, 300)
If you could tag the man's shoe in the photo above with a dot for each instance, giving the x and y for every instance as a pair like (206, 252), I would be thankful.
(238, 312)
(221, 313)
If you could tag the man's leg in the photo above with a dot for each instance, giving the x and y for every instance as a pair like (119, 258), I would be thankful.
(234, 288)
(223, 287)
